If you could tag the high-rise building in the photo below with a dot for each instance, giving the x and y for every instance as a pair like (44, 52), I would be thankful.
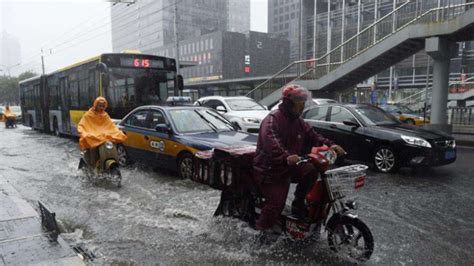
(10, 52)
(284, 20)
(230, 55)
(238, 14)
(150, 24)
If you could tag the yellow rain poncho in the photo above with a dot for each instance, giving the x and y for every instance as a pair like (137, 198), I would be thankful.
(8, 113)
(96, 128)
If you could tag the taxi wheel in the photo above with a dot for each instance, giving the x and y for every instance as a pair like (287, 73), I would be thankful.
(122, 156)
(185, 166)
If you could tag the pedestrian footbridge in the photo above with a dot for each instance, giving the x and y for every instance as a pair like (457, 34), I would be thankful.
(394, 37)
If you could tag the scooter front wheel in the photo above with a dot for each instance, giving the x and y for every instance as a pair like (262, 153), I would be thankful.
(116, 176)
(352, 237)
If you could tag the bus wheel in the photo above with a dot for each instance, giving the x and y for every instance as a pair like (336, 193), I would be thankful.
(31, 121)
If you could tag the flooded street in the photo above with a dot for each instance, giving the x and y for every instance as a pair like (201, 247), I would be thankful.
(422, 217)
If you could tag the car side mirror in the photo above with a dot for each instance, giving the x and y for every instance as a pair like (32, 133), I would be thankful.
(350, 123)
(221, 109)
(163, 128)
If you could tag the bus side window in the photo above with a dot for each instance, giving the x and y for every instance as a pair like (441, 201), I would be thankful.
(64, 90)
(91, 84)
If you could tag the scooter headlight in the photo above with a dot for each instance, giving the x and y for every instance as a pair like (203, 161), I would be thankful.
(109, 145)
(351, 204)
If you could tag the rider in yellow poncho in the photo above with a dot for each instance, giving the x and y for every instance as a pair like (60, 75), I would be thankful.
(96, 127)
(8, 113)
(9, 116)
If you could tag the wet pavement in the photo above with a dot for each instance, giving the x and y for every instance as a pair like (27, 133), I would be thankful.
(22, 240)
(422, 217)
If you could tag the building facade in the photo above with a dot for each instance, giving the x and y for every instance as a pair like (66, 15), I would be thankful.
(325, 24)
(230, 55)
(150, 24)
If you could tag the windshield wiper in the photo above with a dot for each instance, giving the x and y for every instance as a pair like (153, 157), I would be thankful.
(213, 127)
(220, 119)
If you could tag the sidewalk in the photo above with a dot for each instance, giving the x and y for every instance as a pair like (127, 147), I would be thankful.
(22, 242)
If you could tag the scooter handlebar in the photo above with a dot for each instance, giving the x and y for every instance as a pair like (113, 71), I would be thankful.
(303, 159)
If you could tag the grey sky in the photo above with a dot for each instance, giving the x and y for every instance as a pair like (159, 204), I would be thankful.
(71, 30)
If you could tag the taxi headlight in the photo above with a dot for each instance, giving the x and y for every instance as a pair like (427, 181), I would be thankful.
(109, 145)
(416, 141)
(251, 120)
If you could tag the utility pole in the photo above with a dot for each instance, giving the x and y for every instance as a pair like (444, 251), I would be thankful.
(42, 60)
(176, 36)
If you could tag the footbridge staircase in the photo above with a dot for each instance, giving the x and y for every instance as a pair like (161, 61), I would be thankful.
(390, 39)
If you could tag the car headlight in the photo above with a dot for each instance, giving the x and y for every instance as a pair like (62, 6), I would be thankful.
(109, 145)
(416, 141)
(251, 120)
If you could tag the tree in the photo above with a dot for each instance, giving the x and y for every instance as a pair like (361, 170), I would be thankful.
(9, 88)
(26, 75)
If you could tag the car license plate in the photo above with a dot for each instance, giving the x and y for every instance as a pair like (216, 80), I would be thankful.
(450, 155)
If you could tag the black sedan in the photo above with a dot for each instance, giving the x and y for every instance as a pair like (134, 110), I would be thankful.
(370, 134)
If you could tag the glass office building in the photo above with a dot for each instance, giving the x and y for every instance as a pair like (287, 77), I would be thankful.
(150, 24)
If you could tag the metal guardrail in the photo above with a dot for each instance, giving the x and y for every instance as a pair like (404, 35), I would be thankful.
(398, 19)
(420, 96)
(462, 116)
(462, 121)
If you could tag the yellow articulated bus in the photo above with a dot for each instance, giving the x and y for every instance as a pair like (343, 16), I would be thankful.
(55, 102)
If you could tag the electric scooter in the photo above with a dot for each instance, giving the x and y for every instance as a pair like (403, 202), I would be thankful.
(106, 168)
(328, 203)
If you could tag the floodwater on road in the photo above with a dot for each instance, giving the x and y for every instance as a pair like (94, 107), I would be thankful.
(422, 217)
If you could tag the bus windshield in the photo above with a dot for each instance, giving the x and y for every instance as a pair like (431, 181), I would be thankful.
(133, 87)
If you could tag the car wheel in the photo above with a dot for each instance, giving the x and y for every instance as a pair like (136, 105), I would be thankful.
(185, 166)
(385, 160)
(122, 155)
(410, 122)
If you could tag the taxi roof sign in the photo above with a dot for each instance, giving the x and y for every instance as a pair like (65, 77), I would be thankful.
(179, 100)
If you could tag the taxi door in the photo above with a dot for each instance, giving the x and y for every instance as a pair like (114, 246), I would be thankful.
(160, 142)
(138, 140)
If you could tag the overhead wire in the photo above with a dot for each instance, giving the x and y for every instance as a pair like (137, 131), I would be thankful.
(69, 31)
(55, 51)
(108, 30)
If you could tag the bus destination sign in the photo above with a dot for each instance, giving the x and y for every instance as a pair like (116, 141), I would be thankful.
(141, 62)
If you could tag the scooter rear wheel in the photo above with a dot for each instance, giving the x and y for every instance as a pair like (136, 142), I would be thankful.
(350, 236)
